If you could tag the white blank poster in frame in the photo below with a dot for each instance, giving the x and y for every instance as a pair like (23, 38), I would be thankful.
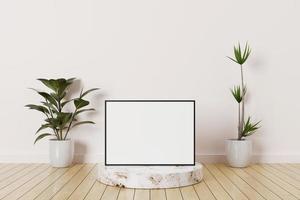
(149, 132)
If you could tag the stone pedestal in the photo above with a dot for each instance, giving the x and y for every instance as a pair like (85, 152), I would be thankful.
(149, 177)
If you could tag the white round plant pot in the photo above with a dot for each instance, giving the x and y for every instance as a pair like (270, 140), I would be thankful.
(61, 152)
(238, 152)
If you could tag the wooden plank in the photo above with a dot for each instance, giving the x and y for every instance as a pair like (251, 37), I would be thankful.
(240, 183)
(57, 185)
(231, 189)
(17, 175)
(157, 194)
(189, 193)
(82, 190)
(74, 182)
(111, 193)
(3, 165)
(269, 184)
(265, 181)
(22, 185)
(35, 191)
(286, 171)
(280, 182)
(96, 191)
(13, 171)
(6, 167)
(214, 186)
(173, 194)
(203, 191)
(126, 194)
(260, 188)
(30, 184)
(296, 165)
(291, 179)
(293, 167)
(141, 194)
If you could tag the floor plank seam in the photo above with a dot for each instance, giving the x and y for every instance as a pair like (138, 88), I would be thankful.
(181, 193)
(46, 187)
(35, 185)
(219, 183)
(276, 182)
(19, 177)
(89, 190)
(67, 181)
(281, 177)
(295, 170)
(29, 181)
(232, 182)
(291, 171)
(12, 167)
(252, 186)
(21, 169)
(54, 183)
(209, 189)
(103, 192)
(133, 194)
(285, 173)
(81, 181)
(264, 185)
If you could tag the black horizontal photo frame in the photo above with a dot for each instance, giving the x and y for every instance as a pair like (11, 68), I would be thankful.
(152, 164)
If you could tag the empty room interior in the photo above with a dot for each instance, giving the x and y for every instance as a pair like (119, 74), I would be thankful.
(149, 100)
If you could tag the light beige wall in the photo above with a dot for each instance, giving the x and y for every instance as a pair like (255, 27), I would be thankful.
(160, 49)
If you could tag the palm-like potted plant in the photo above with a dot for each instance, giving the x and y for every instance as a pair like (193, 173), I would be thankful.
(239, 151)
(59, 120)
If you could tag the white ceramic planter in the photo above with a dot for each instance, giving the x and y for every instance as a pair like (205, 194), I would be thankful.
(238, 152)
(61, 152)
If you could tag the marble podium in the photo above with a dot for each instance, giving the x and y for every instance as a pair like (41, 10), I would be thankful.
(150, 177)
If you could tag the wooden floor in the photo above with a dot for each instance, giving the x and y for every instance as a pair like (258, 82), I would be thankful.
(40, 181)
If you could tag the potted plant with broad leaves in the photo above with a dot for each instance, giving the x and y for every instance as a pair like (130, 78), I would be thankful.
(58, 120)
(239, 151)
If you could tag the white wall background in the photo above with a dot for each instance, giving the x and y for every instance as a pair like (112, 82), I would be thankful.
(160, 49)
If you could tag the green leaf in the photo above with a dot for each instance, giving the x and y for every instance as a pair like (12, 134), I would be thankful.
(88, 91)
(50, 83)
(236, 93)
(249, 127)
(83, 122)
(42, 136)
(38, 108)
(60, 120)
(48, 98)
(44, 126)
(240, 55)
(51, 106)
(232, 59)
(57, 85)
(63, 118)
(84, 110)
(79, 103)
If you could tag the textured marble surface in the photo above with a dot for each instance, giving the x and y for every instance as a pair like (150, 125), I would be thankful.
(150, 177)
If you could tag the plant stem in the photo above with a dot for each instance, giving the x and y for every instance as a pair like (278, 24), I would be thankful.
(69, 127)
(59, 110)
(61, 134)
(239, 122)
(243, 103)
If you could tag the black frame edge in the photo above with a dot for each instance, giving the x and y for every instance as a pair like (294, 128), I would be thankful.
(144, 100)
